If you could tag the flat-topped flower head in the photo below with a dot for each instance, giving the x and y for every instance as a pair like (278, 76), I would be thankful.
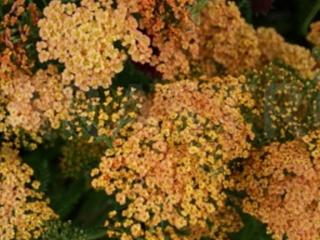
(170, 170)
(218, 99)
(167, 171)
(282, 186)
(83, 39)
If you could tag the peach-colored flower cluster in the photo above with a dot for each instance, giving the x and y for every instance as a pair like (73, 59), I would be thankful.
(273, 46)
(27, 106)
(228, 44)
(23, 209)
(84, 39)
(171, 167)
(30, 106)
(221, 106)
(282, 185)
(221, 42)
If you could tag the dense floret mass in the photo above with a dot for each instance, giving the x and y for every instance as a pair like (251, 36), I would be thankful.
(158, 120)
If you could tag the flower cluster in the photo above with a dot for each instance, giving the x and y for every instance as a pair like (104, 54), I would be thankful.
(273, 46)
(84, 39)
(282, 186)
(171, 106)
(172, 32)
(227, 41)
(171, 169)
(30, 106)
(220, 106)
(229, 45)
(23, 209)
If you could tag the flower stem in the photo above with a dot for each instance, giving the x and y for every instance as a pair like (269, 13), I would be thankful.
(313, 12)
(97, 235)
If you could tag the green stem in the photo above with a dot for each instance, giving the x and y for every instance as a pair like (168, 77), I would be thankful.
(97, 235)
(310, 16)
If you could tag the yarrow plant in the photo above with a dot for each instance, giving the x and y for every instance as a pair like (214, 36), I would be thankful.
(281, 181)
(172, 167)
(158, 120)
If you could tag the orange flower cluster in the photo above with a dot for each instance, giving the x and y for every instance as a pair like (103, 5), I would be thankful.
(282, 185)
(171, 168)
(273, 46)
(314, 34)
(168, 154)
(227, 41)
(229, 45)
(23, 209)
(222, 42)
(172, 32)
(29, 104)
(219, 106)
(84, 38)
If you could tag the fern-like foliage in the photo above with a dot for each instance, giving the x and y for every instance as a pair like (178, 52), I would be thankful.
(287, 105)
(57, 230)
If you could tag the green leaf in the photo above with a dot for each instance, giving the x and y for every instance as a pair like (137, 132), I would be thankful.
(309, 15)
(252, 230)
(65, 201)
(57, 230)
